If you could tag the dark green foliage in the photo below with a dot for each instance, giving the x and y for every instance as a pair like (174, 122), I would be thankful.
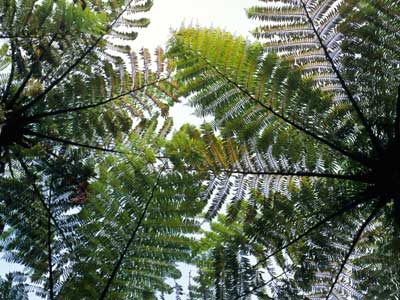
(132, 201)
(13, 287)
(223, 258)
(62, 95)
(316, 161)
(58, 84)
(304, 170)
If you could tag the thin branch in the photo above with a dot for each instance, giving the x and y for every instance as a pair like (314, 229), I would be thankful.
(356, 157)
(80, 108)
(339, 212)
(40, 196)
(132, 237)
(297, 174)
(20, 88)
(85, 53)
(68, 142)
(358, 178)
(16, 36)
(273, 278)
(312, 228)
(28, 77)
(397, 121)
(10, 165)
(375, 142)
(51, 282)
(356, 238)
(13, 60)
(11, 77)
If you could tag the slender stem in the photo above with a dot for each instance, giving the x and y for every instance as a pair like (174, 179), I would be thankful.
(20, 88)
(68, 142)
(80, 108)
(28, 77)
(10, 165)
(299, 174)
(375, 142)
(312, 228)
(397, 121)
(51, 282)
(16, 36)
(13, 60)
(132, 237)
(356, 157)
(42, 201)
(356, 238)
(273, 278)
(85, 53)
(11, 77)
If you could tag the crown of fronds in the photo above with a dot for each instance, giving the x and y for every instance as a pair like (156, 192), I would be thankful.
(135, 210)
(57, 79)
(318, 231)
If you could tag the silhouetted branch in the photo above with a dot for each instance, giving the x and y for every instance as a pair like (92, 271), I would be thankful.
(356, 238)
(397, 121)
(29, 75)
(273, 278)
(85, 53)
(11, 76)
(356, 157)
(375, 142)
(297, 174)
(132, 237)
(67, 142)
(80, 108)
(49, 251)
(40, 196)
(312, 228)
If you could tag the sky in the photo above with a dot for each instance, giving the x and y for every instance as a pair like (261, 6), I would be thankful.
(171, 14)
(165, 15)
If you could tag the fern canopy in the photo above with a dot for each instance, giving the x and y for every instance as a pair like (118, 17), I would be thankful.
(297, 174)
(311, 154)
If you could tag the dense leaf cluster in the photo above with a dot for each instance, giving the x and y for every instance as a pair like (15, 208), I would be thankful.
(291, 192)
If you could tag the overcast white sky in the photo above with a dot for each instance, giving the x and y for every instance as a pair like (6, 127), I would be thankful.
(166, 14)
(170, 14)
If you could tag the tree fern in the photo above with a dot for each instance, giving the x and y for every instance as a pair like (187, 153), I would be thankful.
(54, 82)
(138, 213)
(270, 106)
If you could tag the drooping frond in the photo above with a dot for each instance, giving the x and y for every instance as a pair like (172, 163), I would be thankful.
(331, 42)
(234, 170)
(313, 230)
(138, 212)
(286, 30)
(251, 93)
(135, 195)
